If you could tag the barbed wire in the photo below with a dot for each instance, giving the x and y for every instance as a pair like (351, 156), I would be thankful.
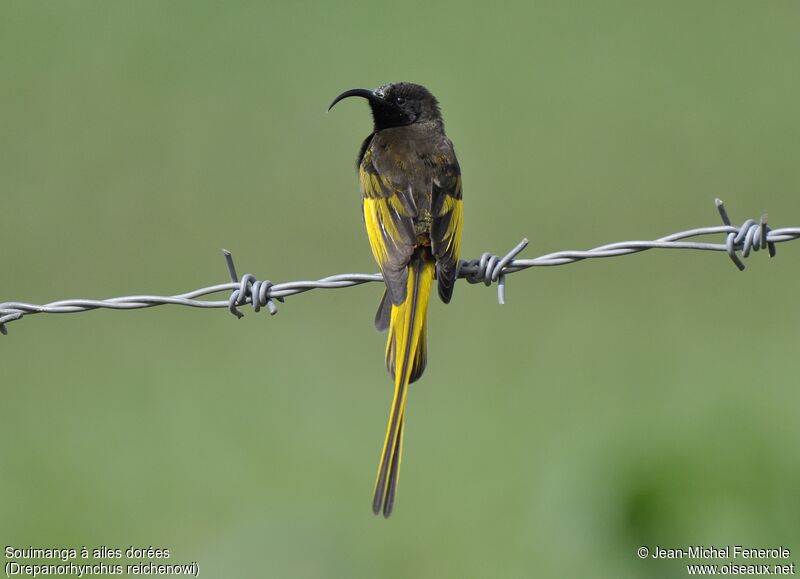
(487, 269)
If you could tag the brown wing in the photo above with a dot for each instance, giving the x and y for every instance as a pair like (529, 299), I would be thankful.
(446, 209)
(389, 218)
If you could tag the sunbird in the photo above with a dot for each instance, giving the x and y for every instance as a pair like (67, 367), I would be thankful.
(411, 200)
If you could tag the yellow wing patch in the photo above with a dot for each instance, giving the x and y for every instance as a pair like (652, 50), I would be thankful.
(372, 184)
(452, 234)
(382, 216)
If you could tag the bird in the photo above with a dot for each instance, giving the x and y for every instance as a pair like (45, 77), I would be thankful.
(411, 201)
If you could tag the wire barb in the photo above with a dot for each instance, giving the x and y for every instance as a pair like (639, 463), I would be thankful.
(751, 236)
(487, 269)
(250, 291)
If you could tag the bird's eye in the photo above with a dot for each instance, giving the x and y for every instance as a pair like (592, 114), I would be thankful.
(399, 100)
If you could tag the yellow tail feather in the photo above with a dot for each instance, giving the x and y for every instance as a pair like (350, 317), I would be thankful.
(406, 353)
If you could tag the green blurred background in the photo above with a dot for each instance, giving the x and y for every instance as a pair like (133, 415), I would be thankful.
(645, 400)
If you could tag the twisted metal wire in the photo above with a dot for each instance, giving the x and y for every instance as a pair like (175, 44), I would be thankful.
(487, 269)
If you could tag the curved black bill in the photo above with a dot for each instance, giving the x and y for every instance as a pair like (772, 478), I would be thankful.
(360, 92)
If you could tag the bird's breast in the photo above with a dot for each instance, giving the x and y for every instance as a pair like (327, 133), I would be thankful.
(406, 157)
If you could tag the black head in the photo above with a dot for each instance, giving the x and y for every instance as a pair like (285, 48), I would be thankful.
(397, 105)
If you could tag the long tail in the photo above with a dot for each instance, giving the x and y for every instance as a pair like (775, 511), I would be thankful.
(406, 354)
